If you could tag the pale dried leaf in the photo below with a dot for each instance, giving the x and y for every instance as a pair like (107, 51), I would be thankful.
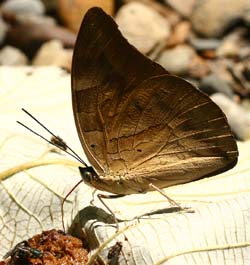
(216, 233)
(35, 180)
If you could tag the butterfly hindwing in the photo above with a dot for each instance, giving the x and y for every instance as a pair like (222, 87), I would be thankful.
(170, 131)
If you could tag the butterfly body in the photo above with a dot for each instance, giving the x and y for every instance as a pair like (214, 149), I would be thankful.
(137, 123)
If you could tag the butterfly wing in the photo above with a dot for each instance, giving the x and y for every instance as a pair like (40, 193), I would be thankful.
(170, 133)
(105, 69)
(136, 122)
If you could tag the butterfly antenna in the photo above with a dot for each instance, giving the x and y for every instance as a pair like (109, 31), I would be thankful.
(50, 142)
(73, 154)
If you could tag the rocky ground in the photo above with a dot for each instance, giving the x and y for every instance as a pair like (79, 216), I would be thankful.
(206, 42)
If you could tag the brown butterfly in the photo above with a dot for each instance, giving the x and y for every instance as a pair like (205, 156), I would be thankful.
(138, 124)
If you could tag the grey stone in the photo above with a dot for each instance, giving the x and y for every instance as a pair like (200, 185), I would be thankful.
(212, 84)
(19, 7)
(238, 117)
(203, 44)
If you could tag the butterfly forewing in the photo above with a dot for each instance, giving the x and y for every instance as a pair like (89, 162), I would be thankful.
(137, 123)
(105, 69)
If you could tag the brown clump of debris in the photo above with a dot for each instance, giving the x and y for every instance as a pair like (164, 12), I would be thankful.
(49, 247)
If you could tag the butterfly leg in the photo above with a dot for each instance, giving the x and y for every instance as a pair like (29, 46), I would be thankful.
(171, 201)
(101, 197)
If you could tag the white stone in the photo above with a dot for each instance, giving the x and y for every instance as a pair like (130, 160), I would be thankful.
(177, 60)
(12, 56)
(142, 26)
(53, 53)
(212, 17)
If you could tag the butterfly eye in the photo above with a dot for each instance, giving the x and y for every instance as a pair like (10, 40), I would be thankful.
(88, 176)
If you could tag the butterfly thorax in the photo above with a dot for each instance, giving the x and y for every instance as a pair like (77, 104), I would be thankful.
(117, 184)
